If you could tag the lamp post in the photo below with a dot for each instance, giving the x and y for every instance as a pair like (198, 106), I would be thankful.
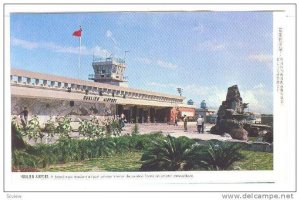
(179, 90)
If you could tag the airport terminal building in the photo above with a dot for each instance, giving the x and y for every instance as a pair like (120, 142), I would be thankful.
(106, 95)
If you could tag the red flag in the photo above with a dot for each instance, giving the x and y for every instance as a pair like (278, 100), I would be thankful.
(77, 33)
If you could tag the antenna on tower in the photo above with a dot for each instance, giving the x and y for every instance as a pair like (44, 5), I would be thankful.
(125, 53)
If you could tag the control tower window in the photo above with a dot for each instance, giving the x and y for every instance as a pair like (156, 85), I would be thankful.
(114, 69)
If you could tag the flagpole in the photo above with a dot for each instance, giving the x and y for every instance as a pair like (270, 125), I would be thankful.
(79, 52)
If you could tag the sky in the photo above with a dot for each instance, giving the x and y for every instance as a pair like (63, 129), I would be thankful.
(203, 53)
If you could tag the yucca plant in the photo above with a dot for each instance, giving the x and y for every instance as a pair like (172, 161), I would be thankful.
(170, 154)
(222, 155)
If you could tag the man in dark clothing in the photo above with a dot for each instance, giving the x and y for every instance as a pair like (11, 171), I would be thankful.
(24, 115)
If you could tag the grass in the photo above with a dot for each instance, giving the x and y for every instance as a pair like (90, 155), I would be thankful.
(131, 162)
(256, 161)
(119, 162)
(252, 139)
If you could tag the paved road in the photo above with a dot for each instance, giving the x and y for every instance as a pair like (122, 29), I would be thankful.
(175, 131)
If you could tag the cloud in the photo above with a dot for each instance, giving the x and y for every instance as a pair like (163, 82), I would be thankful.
(211, 46)
(259, 86)
(97, 50)
(109, 35)
(259, 98)
(145, 61)
(260, 58)
(213, 95)
(160, 63)
(24, 44)
(164, 85)
(199, 28)
(165, 64)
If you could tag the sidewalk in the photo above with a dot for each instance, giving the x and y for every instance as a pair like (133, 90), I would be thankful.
(175, 131)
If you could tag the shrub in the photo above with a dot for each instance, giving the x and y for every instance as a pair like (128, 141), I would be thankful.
(132, 143)
(64, 126)
(91, 128)
(32, 129)
(21, 158)
(105, 147)
(50, 128)
(123, 144)
(112, 127)
(268, 137)
(222, 155)
(17, 141)
(68, 149)
(170, 154)
(46, 154)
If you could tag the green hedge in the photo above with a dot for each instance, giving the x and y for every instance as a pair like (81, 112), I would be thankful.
(69, 149)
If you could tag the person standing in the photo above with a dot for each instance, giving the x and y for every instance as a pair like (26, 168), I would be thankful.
(203, 124)
(185, 123)
(200, 124)
(176, 121)
(24, 115)
(123, 118)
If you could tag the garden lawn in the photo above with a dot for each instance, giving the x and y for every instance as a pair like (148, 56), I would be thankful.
(119, 162)
(255, 160)
(131, 162)
(252, 139)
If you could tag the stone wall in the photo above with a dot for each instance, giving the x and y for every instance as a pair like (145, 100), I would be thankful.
(54, 107)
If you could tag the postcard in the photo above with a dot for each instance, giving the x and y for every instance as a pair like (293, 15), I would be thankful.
(149, 97)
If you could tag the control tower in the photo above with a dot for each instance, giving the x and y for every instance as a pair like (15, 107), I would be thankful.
(109, 70)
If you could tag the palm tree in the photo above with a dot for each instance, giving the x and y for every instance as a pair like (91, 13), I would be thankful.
(222, 155)
(171, 154)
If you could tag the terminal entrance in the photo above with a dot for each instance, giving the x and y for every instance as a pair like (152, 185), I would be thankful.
(143, 114)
